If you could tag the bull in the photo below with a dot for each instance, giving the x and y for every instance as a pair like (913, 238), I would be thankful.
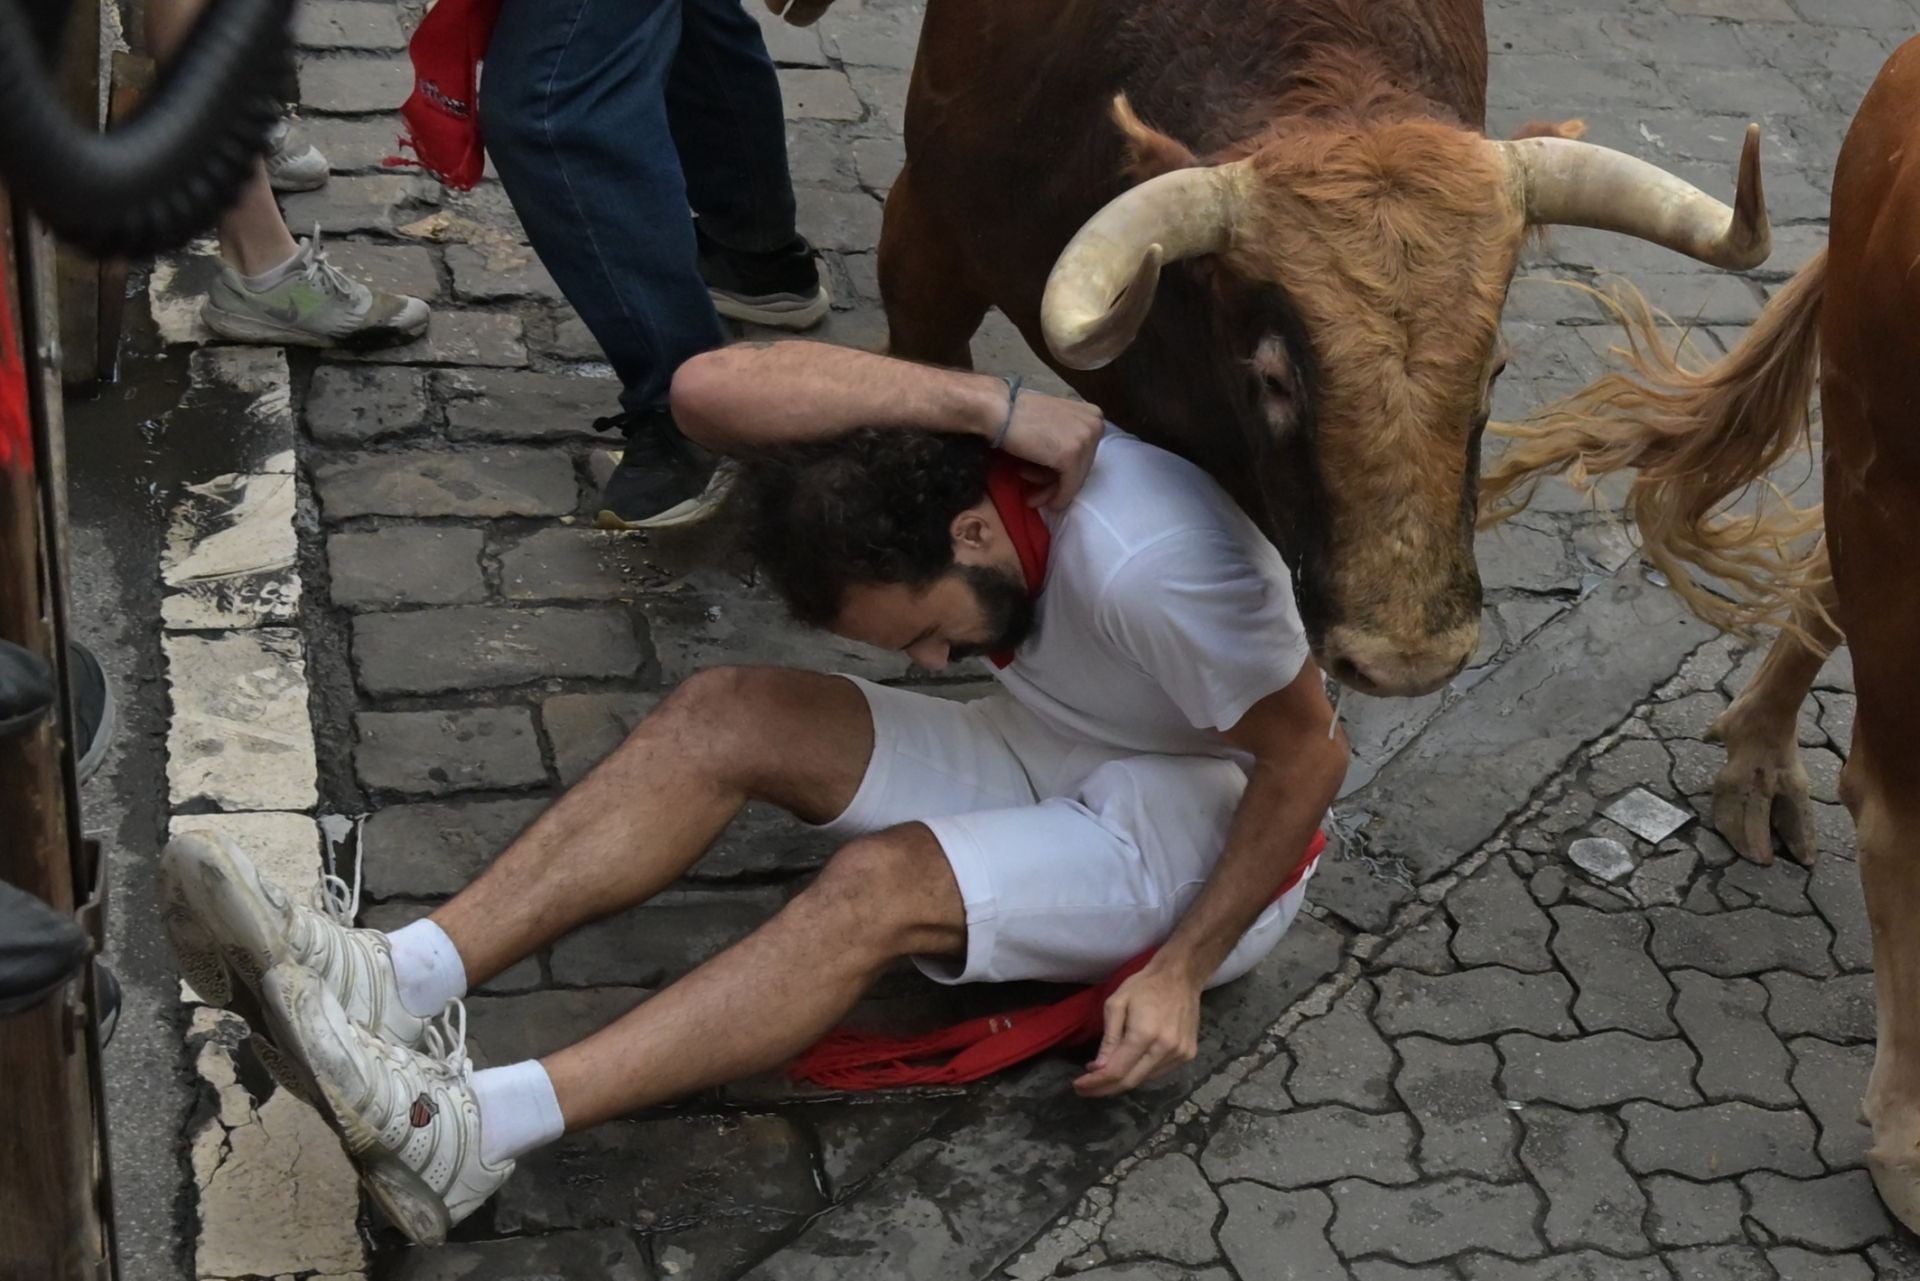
(1271, 236)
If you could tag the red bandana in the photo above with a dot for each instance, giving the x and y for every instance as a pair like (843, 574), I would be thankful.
(980, 1047)
(442, 114)
(1032, 540)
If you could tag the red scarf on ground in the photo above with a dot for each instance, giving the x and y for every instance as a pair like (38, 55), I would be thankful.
(980, 1047)
(443, 113)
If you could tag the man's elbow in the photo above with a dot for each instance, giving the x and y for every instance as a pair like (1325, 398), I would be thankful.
(1310, 765)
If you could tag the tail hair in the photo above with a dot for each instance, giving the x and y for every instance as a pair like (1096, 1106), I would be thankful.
(1699, 438)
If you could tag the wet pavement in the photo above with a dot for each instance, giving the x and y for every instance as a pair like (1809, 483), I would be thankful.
(1473, 1058)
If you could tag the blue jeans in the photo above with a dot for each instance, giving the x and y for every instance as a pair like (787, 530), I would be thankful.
(607, 120)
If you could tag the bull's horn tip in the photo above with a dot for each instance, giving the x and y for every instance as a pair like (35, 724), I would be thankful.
(1751, 224)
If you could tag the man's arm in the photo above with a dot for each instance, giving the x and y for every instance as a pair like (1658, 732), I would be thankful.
(1153, 1019)
(754, 395)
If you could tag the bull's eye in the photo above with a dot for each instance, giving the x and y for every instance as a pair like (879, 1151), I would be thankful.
(1276, 386)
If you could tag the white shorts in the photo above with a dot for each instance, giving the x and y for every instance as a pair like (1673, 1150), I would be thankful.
(1072, 858)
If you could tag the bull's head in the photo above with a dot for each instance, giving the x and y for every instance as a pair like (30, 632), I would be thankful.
(1358, 277)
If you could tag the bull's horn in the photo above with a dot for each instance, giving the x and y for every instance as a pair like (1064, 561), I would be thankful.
(1577, 184)
(1101, 288)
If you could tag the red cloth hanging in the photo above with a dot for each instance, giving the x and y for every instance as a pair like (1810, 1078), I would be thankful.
(979, 1047)
(16, 416)
(442, 114)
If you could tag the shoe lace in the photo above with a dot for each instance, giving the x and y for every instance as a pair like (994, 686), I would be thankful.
(443, 1052)
(333, 897)
(324, 274)
(621, 422)
(446, 1042)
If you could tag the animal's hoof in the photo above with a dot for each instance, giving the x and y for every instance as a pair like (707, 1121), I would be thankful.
(1762, 789)
(1897, 1178)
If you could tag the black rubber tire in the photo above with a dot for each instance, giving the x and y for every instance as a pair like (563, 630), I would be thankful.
(165, 175)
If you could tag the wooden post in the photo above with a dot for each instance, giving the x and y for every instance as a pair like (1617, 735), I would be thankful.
(87, 350)
(54, 1215)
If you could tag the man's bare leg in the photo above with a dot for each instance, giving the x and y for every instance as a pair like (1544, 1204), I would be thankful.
(646, 813)
(777, 991)
(433, 1140)
(253, 236)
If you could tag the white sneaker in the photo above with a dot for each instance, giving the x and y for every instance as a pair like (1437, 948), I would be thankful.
(225, 919)
(293, 163)
(409, 1119)
(308, 302)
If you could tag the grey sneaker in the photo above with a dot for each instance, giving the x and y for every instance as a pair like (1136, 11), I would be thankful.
(409, 1118)
(293, 163)
(308, 302)
(782, 289)
(228, 925)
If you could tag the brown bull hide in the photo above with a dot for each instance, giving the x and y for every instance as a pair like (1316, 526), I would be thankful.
(1331, 360)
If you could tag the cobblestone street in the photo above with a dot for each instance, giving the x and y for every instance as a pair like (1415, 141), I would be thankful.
(1558, 1069)
(1488, 1053)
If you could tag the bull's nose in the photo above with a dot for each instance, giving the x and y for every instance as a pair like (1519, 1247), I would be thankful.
(1392, 667)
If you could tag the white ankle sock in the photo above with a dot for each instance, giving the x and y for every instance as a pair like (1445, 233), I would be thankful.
(518, 1110)
(273, 275)
(427, 967)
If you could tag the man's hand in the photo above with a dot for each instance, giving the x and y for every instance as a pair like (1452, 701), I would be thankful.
(1058, 437)
(1153, 1028)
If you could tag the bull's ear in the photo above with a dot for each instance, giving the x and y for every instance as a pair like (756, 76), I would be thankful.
(1150, 153)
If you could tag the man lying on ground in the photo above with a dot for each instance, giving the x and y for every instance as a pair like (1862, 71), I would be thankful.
(1154, 772)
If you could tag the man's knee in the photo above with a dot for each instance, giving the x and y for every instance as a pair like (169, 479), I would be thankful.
(896, 891)
(706, 715)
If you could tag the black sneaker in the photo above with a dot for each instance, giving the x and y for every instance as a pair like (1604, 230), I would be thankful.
(40, 949)
(782, 289)
(26, 689)
(92, 708)
(106, 1000)
(26, 695)
(663, 479)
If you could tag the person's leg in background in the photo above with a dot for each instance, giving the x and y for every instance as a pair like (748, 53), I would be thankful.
(271, 289)
(574, 114)
(723, 102)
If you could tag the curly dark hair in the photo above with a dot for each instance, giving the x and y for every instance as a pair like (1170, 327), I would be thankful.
(874, 506)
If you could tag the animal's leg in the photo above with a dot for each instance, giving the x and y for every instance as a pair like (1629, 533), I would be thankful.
(1763, 787)
(932, 308)
(1887, 826)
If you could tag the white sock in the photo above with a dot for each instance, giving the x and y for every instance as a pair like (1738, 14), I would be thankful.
(427, 967)
(273, 275)
(518, 1110)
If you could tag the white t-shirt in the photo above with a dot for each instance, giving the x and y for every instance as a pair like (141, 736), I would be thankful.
(1165, 613)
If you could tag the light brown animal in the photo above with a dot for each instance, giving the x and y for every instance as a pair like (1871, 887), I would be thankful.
(1853, 316)
(1269, 235)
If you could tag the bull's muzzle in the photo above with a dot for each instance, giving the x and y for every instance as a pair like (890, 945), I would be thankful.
(1397, 667)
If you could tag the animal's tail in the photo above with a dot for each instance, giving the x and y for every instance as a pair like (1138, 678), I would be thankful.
(1698, 438)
